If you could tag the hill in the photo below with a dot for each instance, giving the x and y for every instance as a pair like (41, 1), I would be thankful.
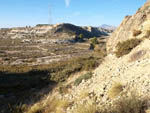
(108, 27)
(62, 31)
(120, 84)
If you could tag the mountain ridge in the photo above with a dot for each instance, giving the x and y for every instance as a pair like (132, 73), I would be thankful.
(109, 27)
(54, 29)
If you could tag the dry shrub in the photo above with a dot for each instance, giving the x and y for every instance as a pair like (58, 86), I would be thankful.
(83, 77)
(36, 108)
(115, 90)
(100, 51)
(56, 106)
(125, 47)
(86, 108)
(130, 104)
(63, 89)
(90, 65)
(136, 32)
(137, 55)
(84, 94)
(52, 106)
(147, 34)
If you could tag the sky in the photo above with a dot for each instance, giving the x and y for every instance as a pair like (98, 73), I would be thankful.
(17, 13)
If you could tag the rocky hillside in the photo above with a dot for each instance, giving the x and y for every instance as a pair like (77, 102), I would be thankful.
(97, 31)
(119, 85)
(130, 25)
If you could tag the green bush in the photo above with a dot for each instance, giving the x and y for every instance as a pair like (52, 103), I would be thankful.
(94, 41)
(82, 77)
(81, 36)
(125, 47)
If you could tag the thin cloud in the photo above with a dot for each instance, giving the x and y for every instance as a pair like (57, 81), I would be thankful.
(67, 2)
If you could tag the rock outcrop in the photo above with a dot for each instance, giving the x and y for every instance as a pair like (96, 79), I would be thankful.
(139, 21)
(96, 31)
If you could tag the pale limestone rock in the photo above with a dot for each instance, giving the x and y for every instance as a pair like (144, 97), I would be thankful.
(130, 23)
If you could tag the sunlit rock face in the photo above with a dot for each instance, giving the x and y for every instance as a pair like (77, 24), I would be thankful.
(139, 21)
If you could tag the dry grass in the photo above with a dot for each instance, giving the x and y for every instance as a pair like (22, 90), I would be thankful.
(83, 94)
(100, 50)
(124, 48)
(37, 108)
(86, 108)
(56, 106)
(115, 90)
(130, 104)
(125, 104)
(64, 89)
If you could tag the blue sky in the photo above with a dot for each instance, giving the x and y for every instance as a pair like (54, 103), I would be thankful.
(80, 12)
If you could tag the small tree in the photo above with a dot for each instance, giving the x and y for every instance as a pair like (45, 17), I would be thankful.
(94, 41)
(81, 36)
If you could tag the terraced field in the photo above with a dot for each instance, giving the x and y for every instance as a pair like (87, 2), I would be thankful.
(38, 53)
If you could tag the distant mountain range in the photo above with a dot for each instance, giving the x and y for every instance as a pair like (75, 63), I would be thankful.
(108, 27)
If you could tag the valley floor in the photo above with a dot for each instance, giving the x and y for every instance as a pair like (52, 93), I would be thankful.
(30, 71)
